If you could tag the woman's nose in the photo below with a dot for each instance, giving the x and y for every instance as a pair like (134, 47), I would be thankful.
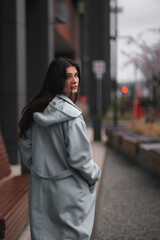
(74, 79)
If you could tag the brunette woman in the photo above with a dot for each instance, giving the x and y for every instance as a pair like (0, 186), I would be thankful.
(54, 146)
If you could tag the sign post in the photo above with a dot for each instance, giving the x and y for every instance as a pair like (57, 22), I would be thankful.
(98, 68)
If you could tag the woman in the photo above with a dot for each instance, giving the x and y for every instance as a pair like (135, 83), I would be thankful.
(54, 146)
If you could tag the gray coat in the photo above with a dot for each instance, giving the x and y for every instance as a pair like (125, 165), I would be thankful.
(59, 155)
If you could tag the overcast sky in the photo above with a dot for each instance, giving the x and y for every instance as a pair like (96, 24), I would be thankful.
(137, 16)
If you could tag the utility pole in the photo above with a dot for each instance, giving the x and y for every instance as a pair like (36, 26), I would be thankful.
(114, 10)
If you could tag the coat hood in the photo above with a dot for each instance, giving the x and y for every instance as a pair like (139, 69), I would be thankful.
(60, 109)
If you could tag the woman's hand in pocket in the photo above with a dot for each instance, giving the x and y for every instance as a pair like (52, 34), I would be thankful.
(90, 185)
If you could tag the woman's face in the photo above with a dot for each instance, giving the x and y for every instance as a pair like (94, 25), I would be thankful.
(72, 81)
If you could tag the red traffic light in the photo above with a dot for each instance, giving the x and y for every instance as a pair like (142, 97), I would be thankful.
(125, 89)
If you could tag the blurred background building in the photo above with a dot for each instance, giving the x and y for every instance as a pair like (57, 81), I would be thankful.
(32, 33)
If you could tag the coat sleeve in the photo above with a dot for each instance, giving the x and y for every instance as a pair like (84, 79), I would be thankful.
(80, 152)
(25, 145)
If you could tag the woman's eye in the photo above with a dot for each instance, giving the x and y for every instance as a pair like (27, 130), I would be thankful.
(70, 76)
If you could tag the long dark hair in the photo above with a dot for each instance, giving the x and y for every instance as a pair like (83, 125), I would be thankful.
(54, 83)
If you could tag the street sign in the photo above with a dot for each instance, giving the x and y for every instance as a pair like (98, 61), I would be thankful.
(99, 68)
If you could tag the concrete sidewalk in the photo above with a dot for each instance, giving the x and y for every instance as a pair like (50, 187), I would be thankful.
(99, 149)
(128, 201)
(99, 153)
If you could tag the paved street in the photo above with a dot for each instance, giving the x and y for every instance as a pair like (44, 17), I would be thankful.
(128, 204)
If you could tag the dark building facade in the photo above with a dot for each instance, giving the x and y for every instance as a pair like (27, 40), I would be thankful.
(32, 33)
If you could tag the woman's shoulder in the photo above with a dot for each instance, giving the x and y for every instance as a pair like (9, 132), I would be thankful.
(77, 123)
